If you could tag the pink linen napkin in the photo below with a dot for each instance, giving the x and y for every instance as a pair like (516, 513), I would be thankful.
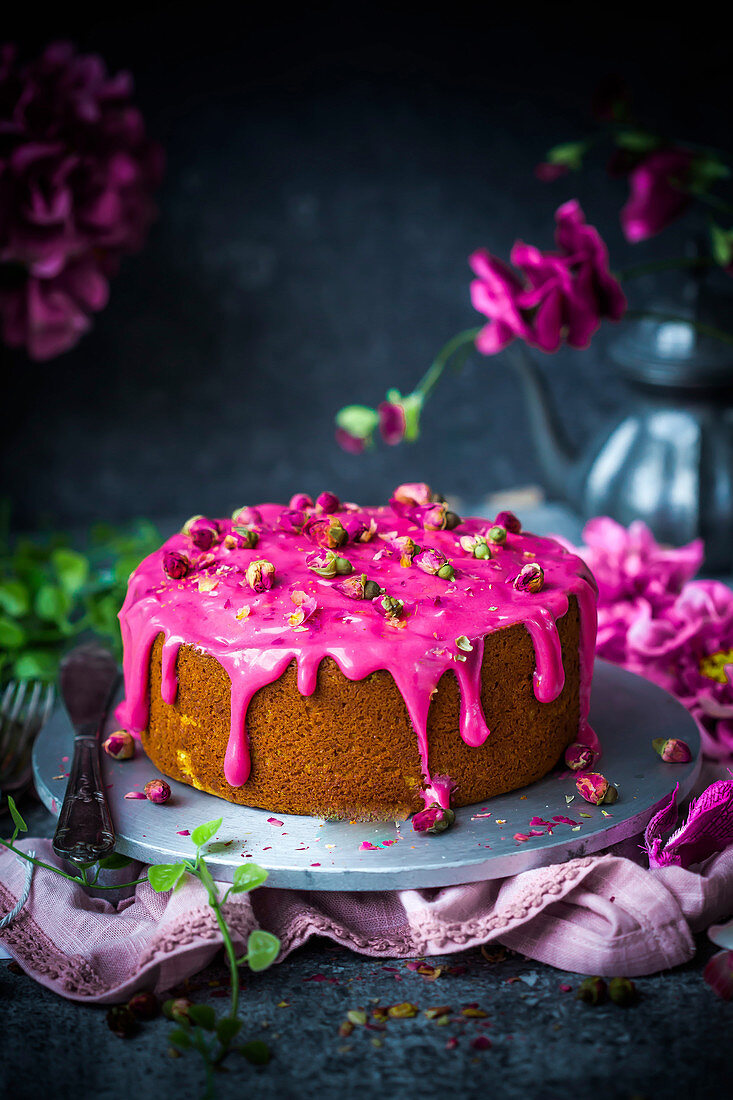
(601, 914)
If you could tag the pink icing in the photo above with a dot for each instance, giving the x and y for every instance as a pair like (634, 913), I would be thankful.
(255, 648)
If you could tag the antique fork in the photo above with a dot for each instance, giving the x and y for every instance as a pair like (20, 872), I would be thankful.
(24, 709)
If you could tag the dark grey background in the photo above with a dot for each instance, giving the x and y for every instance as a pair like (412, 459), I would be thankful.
(329, 172)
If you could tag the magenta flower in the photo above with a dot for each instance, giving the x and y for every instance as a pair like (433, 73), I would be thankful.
(708, 828)
(203, 533)
(433, 820)
(657, 193)
(77, 173)
(291, 520)
(175, 565)
(562, 295)
(352, 444)
(392, 423)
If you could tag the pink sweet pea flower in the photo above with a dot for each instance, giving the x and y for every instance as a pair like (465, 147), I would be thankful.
(392, 423)
(657, 193)
(562, 297)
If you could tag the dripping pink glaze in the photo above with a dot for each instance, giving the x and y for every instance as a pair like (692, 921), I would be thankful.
(256, 649)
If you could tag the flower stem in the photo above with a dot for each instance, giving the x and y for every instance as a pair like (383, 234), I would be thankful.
(82, 881)
(207, 881)
(432, 375)
(664, 265)
(699, 326)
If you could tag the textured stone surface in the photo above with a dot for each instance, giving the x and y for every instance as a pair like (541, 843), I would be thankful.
(545, 1044)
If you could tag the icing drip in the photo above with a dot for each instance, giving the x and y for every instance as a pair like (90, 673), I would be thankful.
(442, 626)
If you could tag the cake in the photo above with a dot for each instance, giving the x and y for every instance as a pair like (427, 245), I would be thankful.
(358, 662)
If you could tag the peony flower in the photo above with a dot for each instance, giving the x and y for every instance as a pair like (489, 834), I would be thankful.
(562, 295)
(708, 828)
(657, 193)
(77, 173)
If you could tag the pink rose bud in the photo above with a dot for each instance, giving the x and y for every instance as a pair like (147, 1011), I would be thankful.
(329, 533)
(407, 549)
(175, 565)
(531, 578)
(186, 529)
(579, 757)
(413, 492)
(435, 563)
(203, 533)
(247, 517)
(291, 520)
(300, 501)
(358, 587)
(595, 788)
(241, 538)
(509, 521)
(435, 819)
(327, 564)
(592, 991)
(671, 750)
(177, 1008)
(120, 745)
(157, 790)
(359, 529)
(260, 575)
(328, 502)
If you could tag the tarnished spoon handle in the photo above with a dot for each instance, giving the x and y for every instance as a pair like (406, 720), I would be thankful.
(85, 832)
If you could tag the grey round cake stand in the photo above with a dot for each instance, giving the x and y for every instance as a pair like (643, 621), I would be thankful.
(310, 854)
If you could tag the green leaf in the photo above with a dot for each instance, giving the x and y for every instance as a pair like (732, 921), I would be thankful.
(204, 832)
(15, 814)
(227, 1028)
(722, 244)
(705, 171)
(256, 1052)
(636, 141)
(14, 598)
(203, 1015)
(52, 603)
(262, 949)
(180, 1038)
(114, 862)
(357, 420)
(72, 569)
(12, 636)
(36, 664)
(248, 877)
(569, 154)
(164, 876)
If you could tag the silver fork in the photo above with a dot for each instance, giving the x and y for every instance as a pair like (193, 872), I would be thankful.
(24, 709)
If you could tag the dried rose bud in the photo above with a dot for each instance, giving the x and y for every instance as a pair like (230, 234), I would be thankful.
(260, 575)
(622, 991)
(435, 563)
(120, 745)
(433, 820)
(672, 750)
(359, 588)
(157, 790)
(203, 533)
(407, 549)
(241, 538)
(434, 518)
(359, 528)
(122, 1021)
(452, 519)
(372, 590)
(579, 757)
(291, 520)
(247, 517)
(326, 532)
(496, 534)
(300, 501)
(322, 562)
(177, 1008)
(144, 1006)
(175, 565)
(592, 991)
(392, 607)
(476, 545)
(186, 529)
(413, 492)
(595, 788)
(531, 578)
(328, 502)
(509, 521)
(343, 566)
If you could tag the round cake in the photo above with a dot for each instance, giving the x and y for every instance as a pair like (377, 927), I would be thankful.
(358, 662)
